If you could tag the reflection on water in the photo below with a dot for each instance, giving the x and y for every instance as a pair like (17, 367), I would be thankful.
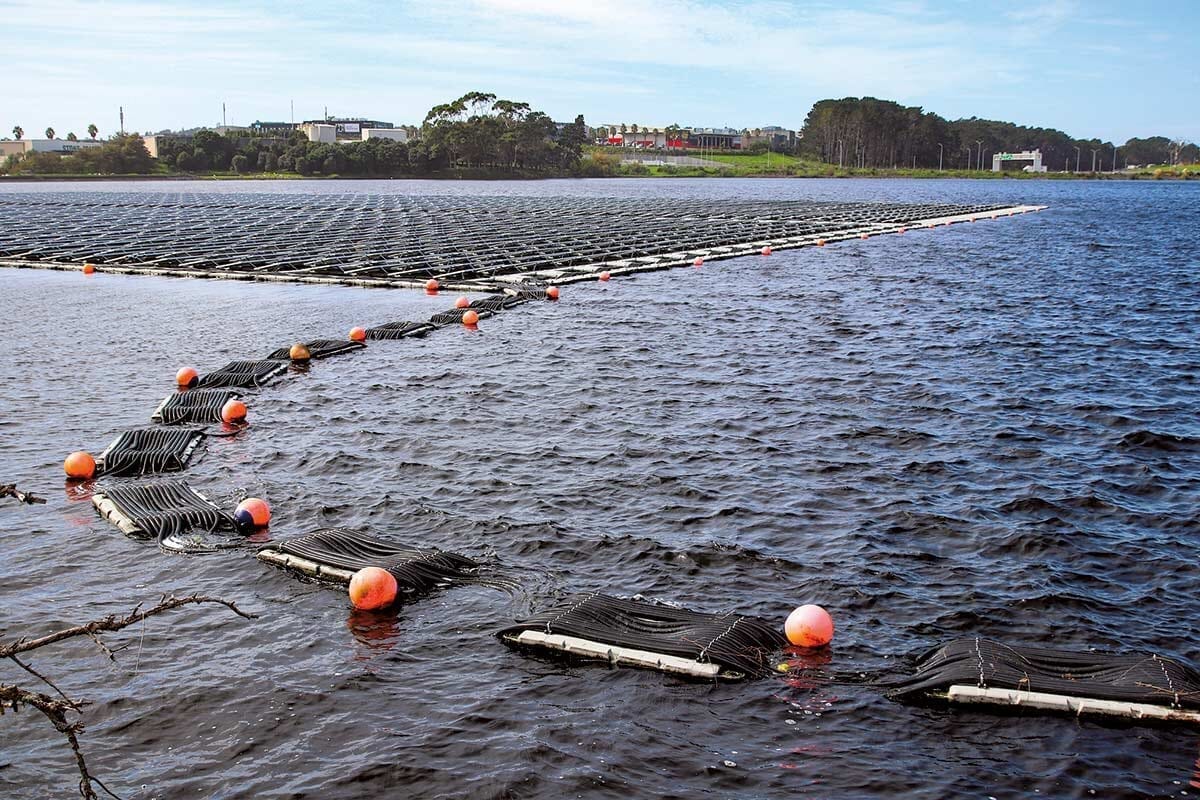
(377, 631)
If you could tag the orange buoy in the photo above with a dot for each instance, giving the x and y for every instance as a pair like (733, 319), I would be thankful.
(299, 352)
(699, 262)
(187, 377)
(88, 269)
(820, 242)
(470, 317)
(766, 251)
(431, 286)
(80, 466)
(373, 588)
(357, 334)
(551, 292)
(462, 302)
(234, 411)
(252, 513)
(809, 626)
(604, 275)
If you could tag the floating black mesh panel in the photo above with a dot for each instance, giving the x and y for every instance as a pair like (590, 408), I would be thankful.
(242, 374)
(736, 642)
(319, 348)
(399, 330)
(139, 452)
(493, 303)
(524, 292)
(193, 405)
(1137, 678)
(417, 571)
(160, 510)
(455, 315)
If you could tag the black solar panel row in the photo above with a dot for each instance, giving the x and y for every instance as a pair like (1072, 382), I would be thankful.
(401, 238)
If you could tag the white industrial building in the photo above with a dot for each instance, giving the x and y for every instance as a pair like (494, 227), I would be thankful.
(329, 133)
(1026, 161)
(395, 134)
(64, 146)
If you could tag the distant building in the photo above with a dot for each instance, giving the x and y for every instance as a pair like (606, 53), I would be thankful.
(344, 131)
(657, 138)
(269, 129)
(344, 128)
(716, 138)
(776, 137)
(1026, 161)
(64, 146)
(152, 142)
(395, 134)
(319, 132)
(646, 136)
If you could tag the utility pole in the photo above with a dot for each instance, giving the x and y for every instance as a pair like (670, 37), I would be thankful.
(122, 119)
(223, 122)
(939, 156)
(292, 103)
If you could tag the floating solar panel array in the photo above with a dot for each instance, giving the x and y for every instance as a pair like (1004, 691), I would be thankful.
(404, 240)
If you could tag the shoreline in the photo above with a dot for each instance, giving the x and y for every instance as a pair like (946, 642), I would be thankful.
(700, 174)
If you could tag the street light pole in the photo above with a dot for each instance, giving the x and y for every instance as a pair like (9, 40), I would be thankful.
(1094, 160)
(979, 154)
(1077, 159)
(939, 156)
(1114, 169)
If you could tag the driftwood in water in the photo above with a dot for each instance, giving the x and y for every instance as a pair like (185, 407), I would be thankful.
(57, 709)
(11, 490)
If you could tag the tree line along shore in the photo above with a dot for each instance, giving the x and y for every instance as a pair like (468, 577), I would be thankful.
(482, 136)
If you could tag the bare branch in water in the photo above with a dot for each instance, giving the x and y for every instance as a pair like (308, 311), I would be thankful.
(114, 623)
(56, 710)
(11, 490)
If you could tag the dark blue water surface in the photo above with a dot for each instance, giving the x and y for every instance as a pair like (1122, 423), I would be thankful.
(989, 429)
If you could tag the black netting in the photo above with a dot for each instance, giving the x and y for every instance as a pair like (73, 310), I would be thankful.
(399, 330)
(1136, 678)
(149, 450)
(242, 374)
(319, 348)
(417, 571)
(455, 315)
(524, 292)
(167, 509)
(193, 405)
(736, 642)
(494, 303)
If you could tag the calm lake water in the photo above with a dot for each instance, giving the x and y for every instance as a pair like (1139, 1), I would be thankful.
(988, 429)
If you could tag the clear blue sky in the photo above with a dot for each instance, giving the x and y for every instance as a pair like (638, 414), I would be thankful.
(1088, 67)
